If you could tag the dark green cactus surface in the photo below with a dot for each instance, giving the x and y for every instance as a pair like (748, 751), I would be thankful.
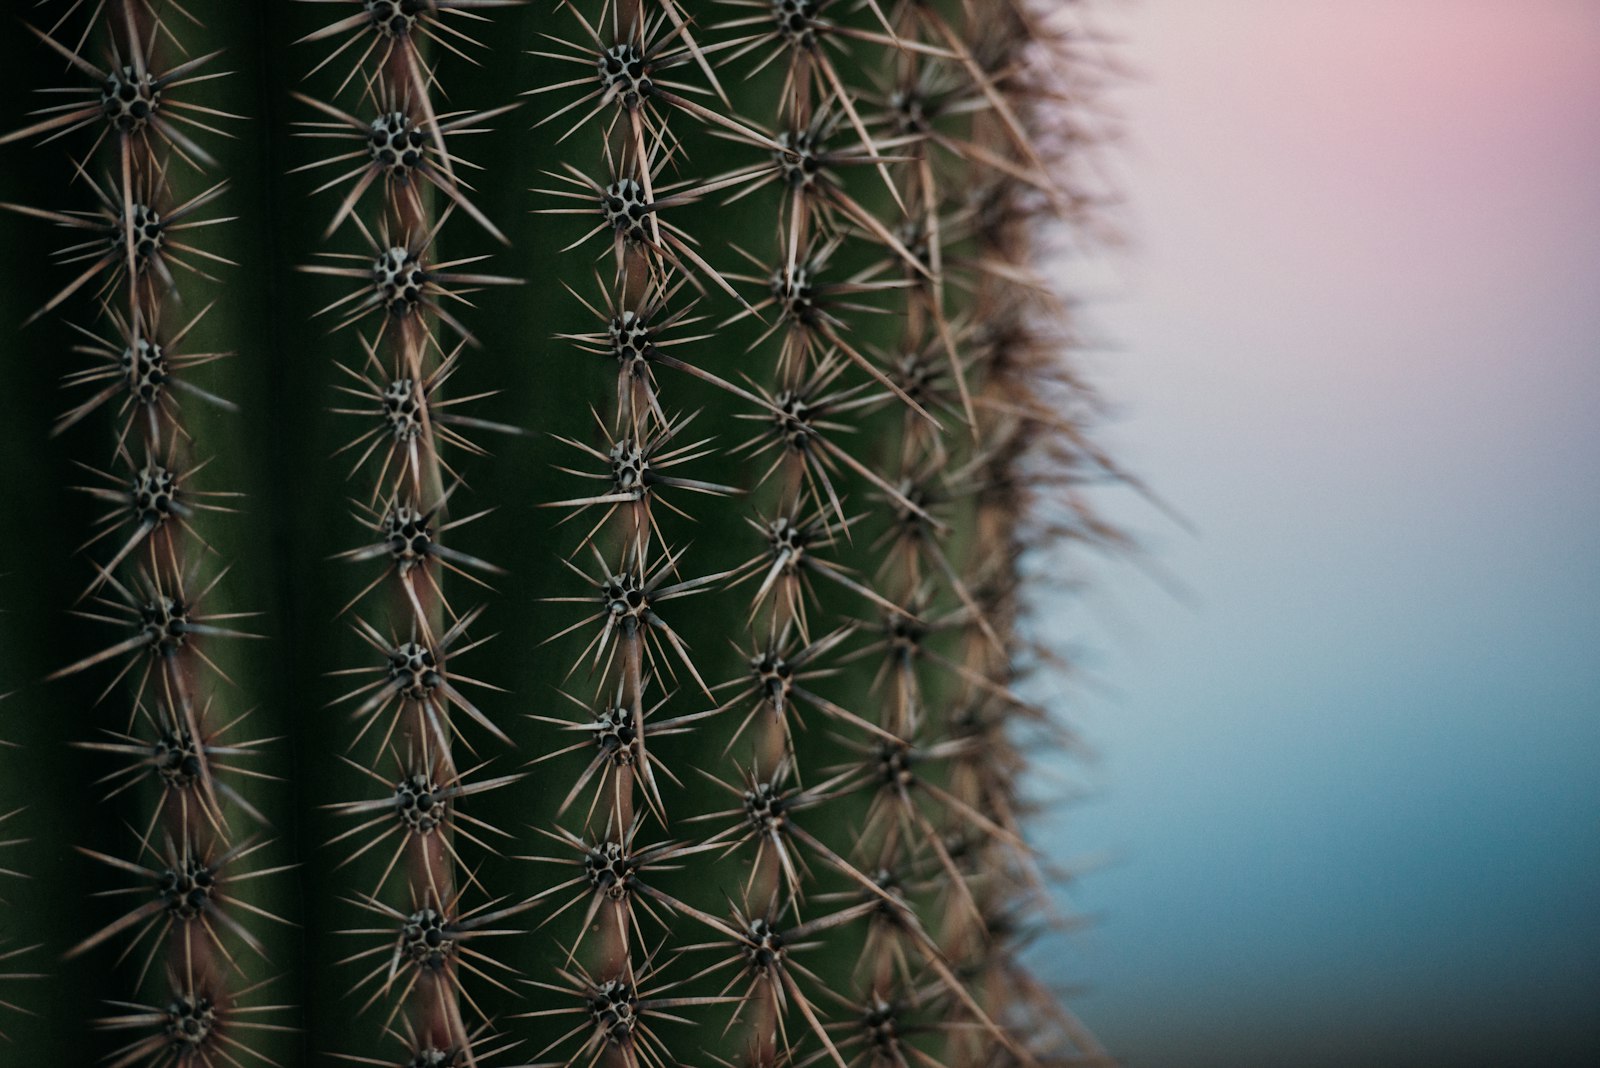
(520, 523)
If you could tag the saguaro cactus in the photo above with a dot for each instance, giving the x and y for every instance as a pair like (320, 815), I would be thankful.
(737, 779)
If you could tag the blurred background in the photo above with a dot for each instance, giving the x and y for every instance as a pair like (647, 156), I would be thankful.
(1346, 785)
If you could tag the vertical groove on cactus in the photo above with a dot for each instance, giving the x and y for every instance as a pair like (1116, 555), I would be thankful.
(171, 721)
(12, 955)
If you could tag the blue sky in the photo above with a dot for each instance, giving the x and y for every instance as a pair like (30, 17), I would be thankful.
(1346, 808)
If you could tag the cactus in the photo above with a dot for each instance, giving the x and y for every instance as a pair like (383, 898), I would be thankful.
(556, 484)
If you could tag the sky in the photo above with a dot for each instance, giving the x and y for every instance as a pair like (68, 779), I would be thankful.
(1345, 803)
